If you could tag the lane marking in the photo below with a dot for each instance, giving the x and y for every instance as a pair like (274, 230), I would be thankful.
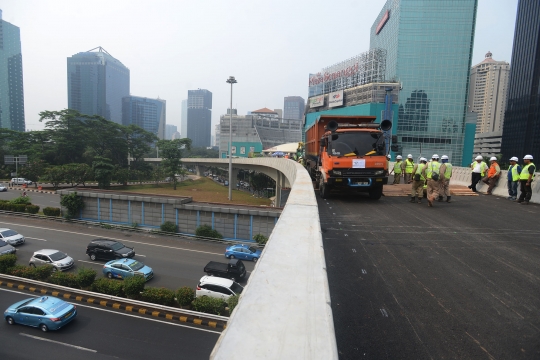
(57, 342)
(346, 235)
(364, 271)
(90, 262)
(353, 250)
(140, 255)
(384, 313)
(123, 314)
(33, 238)
(111, 238)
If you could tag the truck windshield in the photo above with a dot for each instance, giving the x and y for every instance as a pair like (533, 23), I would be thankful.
(358, 143)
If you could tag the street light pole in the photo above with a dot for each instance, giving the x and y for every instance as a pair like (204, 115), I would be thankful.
(231, 80)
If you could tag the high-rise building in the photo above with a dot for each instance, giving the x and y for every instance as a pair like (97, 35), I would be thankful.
(294, 107)
(217, 137)
(487, 93)
(429, 50)
(183, 119)
(199, 117)
(11, 77)
(521, 130)
(149, 114)
(97, 82)
(169, 131)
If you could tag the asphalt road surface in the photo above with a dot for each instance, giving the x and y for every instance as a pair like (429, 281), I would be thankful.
(98, 333)
(43, 200)
(176, 262)
(456, 281)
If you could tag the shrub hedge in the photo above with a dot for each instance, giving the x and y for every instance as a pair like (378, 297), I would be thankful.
(41, 273)
(185, 295)
(86, 277)
(260, 239)
(7, 262)
(51, 211)
(134, 286)
(207, 231)
(169, 226)
(232, 302)
(209, 305)
(64, 279)
(160, 296)
(109, 287)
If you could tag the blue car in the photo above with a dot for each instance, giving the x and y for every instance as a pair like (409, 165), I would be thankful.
(244, 252)
(46, 313)
(124, 268)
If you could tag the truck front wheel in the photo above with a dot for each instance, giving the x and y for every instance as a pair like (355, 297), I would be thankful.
(324, 190)
(375, 193)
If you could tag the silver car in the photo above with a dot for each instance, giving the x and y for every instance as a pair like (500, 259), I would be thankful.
(59, 260)
(5, 248)
(11, 237)
(2, 188)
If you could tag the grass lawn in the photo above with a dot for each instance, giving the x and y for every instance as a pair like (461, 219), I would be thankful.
(201, 190)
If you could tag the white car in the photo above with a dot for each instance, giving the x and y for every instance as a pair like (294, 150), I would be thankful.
(21, 181)
(2, 188)
(11, 237)
(57, 259)
(217, 287)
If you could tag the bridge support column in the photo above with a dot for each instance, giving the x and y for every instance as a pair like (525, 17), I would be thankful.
(234, 178)
(278, 189)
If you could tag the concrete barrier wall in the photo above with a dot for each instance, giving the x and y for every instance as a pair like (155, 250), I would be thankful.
(462, 176)
(284, 312)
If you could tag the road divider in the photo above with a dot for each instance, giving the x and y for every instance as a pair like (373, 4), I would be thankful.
(133, 306)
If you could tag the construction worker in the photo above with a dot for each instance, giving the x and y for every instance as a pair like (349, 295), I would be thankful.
(513, 178)
(478, 171)
(493, 174)
(445, 181)
(397, 170)
(409, 166)
(433, 172)
(418, 180)
(526, 178)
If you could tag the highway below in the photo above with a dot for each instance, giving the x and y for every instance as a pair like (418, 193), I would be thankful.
(176, 262)
(456, 281)
(98, 333)
(43, 200)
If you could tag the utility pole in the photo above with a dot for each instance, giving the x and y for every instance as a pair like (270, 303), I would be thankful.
(231, 80)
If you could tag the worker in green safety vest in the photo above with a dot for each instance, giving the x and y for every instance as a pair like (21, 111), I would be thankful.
(526, 178)
(445, 181)
(433, 172)
(418, 181)
(397, 170)
(409, 166)
(513, 178)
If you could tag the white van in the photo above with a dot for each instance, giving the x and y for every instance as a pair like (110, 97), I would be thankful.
(20, 181)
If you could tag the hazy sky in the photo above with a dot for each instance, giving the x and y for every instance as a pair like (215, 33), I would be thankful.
(172, 46)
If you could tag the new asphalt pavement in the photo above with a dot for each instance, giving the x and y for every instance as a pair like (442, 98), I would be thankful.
(460, 280)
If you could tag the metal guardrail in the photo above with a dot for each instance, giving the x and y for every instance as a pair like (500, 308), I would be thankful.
(90, 297)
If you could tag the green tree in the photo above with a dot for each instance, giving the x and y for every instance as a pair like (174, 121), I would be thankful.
(171, 154)
(121, 175)
(55, 175)
(103, 171)
(83, 173)
(73, 203)
(34, 170)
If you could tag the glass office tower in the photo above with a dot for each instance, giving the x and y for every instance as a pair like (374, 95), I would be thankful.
(429, 51)
(11, 77)
(146, 113)
(521, 130)
(199, 117)
(97, 82)
(294, 107)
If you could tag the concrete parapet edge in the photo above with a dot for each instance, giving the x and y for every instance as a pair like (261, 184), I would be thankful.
(299, 323)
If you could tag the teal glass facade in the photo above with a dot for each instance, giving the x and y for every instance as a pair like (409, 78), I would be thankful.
(97, 82)
(148, 114)
(429, 51)
(11, 77)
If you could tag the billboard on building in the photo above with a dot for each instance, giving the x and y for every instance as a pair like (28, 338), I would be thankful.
(335, 99)
(316, 101)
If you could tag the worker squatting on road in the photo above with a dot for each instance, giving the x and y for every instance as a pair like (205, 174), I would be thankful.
(433, 172)
(493, 175)
(418, 180)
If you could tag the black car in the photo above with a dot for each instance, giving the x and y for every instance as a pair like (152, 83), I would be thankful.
(108, 250)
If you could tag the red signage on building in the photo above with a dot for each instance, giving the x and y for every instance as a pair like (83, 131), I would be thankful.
(383, 22)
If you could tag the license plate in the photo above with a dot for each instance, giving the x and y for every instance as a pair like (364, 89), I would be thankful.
(338, 180)
(68, 314)
(361, 183)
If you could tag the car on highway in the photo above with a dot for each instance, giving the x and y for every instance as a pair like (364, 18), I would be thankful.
(59, 260)
(235, 269)
(244, 252)
(225, 183)
(2, 188)
(6, 249)
(45, 312)
(21, 181)
(124, 268)
(217, 287)
(11, 237)
(108, 250)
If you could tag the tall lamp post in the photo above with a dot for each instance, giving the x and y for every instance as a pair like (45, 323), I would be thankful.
(231, 80)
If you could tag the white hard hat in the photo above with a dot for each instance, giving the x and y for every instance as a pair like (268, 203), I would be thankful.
(435, 156)
(528, 157)
(493, 158)
(409, 156)
(389, 156)
(478, 158)
(444, 157)
(398, 157)
(423, 159)
(513, 158)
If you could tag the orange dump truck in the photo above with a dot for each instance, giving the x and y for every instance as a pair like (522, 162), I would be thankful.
(347, 153)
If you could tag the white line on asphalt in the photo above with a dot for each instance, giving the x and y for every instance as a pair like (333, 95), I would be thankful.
(120, 313)
(33, 238)
(121, 240)
(57, 342)
(140, 255)
(90, 262)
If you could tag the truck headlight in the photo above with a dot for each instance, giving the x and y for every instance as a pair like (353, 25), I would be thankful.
(379, 172)
(337, 172)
